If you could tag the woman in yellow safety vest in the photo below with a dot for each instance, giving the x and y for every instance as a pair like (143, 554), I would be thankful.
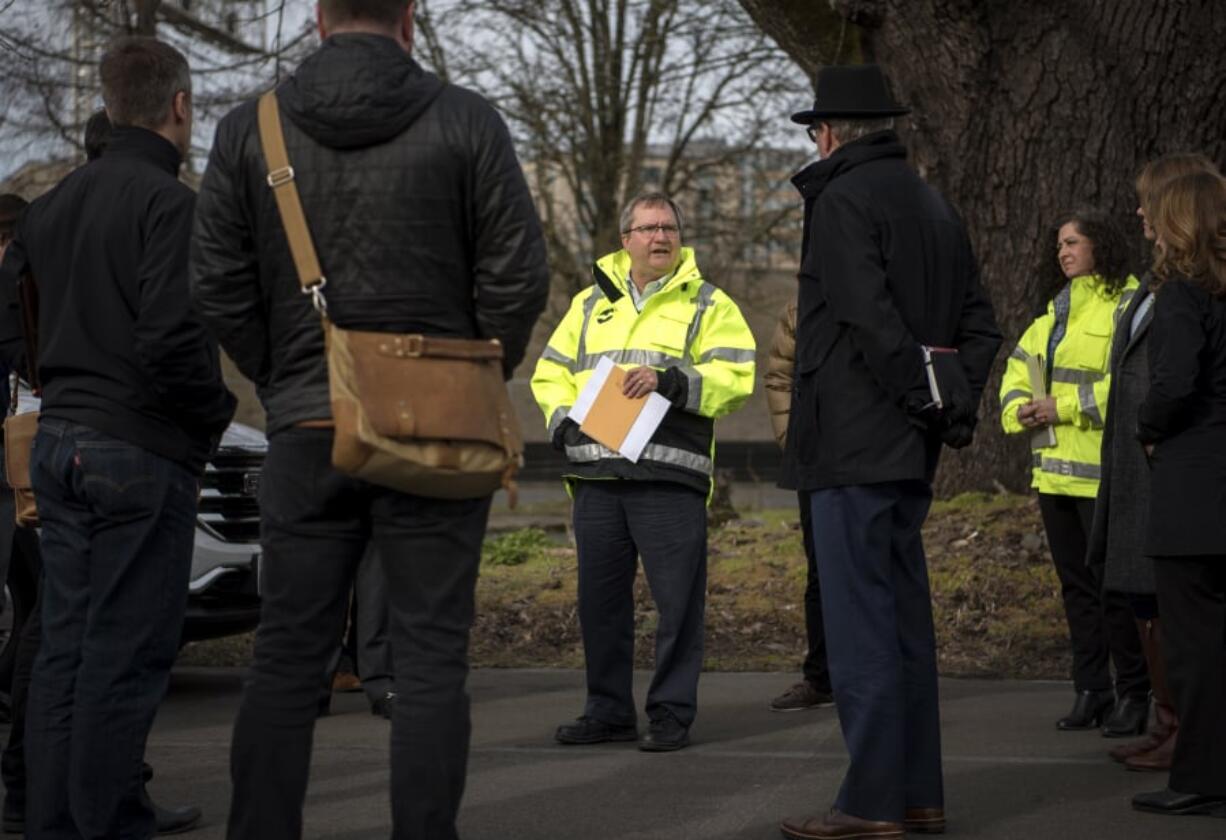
(1055, 389)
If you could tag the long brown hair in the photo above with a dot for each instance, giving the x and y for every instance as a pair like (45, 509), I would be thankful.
(1190, 221)
(1161, 171)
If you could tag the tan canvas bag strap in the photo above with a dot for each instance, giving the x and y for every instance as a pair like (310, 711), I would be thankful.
(289, 205)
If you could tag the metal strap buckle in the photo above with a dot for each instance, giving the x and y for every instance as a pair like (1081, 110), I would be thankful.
(280, 177)
(414, 345)
(316, 291)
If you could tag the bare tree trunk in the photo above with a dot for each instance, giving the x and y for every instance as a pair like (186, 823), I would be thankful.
(1022, 110)
(146, 17)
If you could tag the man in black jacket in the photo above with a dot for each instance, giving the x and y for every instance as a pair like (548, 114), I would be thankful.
(887, 268)
(132, 405)
(423, 223)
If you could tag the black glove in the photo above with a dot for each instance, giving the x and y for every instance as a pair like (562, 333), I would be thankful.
(957, 425)
(566, 433)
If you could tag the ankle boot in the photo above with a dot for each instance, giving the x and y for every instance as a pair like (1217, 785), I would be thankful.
(1130, 716)
(1088, 710)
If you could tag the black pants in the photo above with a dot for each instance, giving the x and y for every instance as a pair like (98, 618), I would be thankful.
(1101, 624)
(666, 524)
(1192, 601)
(365, 644)
(815, 669)
(316, 527)
(24, 570)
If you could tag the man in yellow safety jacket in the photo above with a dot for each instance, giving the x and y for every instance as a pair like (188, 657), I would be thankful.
(650, 311)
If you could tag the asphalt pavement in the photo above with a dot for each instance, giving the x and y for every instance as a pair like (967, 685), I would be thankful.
(1008, 772)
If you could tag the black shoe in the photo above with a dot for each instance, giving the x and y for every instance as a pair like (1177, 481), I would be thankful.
(1088, 710)
(176, 820)
(587, 730)
(1129, 717)
(1172, 802)
(665, 735)
(384, 705)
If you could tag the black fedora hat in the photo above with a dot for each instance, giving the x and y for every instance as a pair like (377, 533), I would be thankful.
(850, 92)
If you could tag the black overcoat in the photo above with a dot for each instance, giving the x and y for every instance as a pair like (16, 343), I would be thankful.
(887, 266)
(1184, 417)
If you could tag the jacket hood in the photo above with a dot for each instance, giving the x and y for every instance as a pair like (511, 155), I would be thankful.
(880, 144)
(614, 269)
(357, 90)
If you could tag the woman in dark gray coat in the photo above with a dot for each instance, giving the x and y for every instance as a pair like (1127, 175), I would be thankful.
(1122, 508)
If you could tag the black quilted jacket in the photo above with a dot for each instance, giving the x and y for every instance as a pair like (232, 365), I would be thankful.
(417, 205)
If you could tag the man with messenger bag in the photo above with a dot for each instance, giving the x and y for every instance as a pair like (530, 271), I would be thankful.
(370, 202)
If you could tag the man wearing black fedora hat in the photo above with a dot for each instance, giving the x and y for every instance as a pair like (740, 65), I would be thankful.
(887, 281)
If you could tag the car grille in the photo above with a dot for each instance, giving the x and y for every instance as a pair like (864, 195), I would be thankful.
(229, 503)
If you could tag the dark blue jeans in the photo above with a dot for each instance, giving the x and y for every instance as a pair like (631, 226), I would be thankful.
(616, 522)
(317, 524)
(117, 524)
(881, 644)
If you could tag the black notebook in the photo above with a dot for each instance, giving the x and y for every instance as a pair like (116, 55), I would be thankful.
(947, 384)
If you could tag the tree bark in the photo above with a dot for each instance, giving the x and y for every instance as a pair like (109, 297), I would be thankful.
(1022, 110)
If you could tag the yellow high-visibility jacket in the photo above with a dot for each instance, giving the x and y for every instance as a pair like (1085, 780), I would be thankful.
(688, 330)
(1084, 315)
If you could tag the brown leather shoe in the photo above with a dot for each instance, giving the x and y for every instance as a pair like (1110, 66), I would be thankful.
(925, 820)
(839, 826)
(1157, 759)
(1156, 735)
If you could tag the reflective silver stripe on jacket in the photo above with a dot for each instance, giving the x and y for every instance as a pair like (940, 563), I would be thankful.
(1015, 394)
(588, 306)
(1075, 469)
(1019, 354)
(559, 414)
(652, 358)
(735, 355)
(693, 397)
(652, 452)
(1073, 376)
(702, 301)
(561, 358)
(1089, 404)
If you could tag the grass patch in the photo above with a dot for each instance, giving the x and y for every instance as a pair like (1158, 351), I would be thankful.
(996, 599)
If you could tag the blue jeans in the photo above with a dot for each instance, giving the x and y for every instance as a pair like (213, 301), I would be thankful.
(117, 527)
(881, 644)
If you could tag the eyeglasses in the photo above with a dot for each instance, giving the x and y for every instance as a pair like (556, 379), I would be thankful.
(651, 230)
(812, 131)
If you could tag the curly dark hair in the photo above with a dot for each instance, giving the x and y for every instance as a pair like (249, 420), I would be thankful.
(1112, 254)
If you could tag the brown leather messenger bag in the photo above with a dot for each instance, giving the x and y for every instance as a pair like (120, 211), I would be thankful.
(421, 414)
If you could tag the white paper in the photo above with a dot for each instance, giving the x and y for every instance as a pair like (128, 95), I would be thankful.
(583, 403)
(644, 427)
